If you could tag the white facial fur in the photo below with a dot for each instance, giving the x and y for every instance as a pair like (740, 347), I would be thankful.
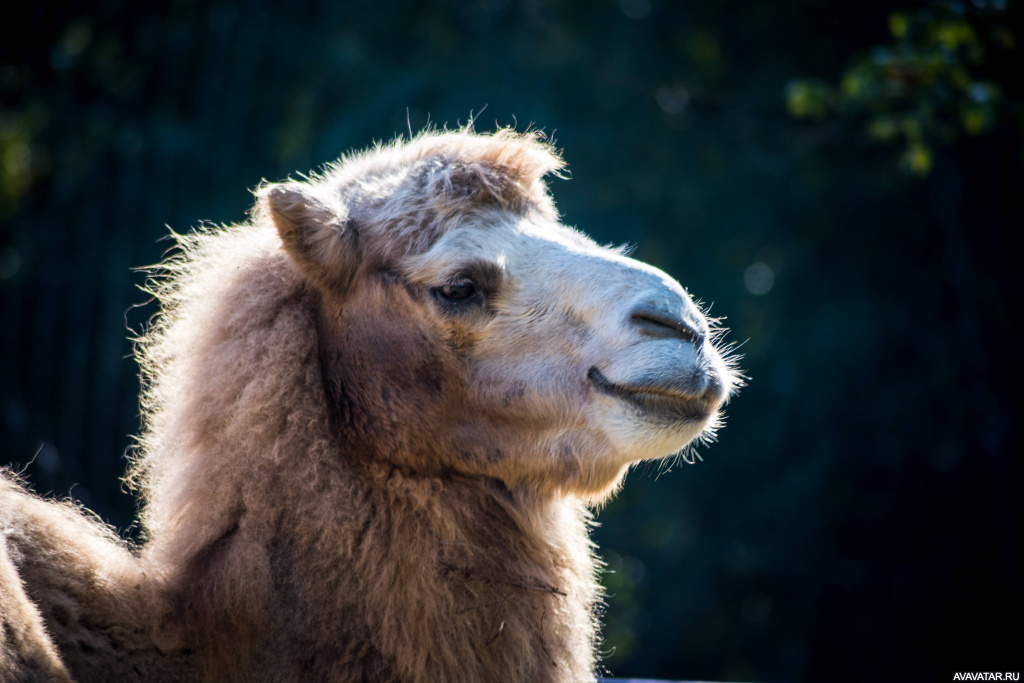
(596, 343)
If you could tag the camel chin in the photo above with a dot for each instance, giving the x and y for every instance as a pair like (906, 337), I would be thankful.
(659, 396)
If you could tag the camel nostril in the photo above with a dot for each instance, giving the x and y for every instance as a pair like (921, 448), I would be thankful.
(657, 322)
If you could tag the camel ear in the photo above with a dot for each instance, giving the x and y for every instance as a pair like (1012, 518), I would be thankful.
(319, 238)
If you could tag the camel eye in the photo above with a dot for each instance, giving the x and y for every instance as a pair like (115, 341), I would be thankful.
(459, 290)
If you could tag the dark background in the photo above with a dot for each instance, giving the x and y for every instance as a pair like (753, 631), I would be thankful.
(859, 518)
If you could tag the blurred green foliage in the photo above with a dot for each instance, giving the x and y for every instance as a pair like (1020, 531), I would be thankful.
(859, 517)
(925, 88)
(21, 161)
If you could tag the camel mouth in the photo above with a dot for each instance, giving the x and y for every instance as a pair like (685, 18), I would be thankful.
(660, 401)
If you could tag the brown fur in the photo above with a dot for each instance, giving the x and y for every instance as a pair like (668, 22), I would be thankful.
(329, 492)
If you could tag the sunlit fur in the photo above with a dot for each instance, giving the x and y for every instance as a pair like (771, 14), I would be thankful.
(347, 477)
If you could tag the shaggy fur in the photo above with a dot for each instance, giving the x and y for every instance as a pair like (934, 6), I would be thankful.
(330, 492)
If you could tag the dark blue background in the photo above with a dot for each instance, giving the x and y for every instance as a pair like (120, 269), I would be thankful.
(859, 518)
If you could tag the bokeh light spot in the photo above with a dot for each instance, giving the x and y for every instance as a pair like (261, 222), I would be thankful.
(635, 9)
(759, 278)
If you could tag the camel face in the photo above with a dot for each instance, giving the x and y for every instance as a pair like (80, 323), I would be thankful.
(602, 359)
(464, 328)
(517, 348)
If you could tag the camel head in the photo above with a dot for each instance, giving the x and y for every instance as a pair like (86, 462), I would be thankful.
(463, 329)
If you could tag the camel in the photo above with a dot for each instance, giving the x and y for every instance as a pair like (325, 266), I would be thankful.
(377, 417)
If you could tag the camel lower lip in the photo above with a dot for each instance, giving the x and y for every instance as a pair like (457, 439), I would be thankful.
(655, 400)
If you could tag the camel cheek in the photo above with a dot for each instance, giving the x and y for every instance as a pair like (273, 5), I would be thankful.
(393, 386)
